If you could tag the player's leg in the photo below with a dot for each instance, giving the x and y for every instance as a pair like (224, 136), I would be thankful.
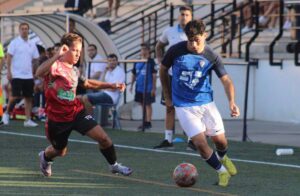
(86, 125)
(170, 127)
(191, 120)
(169, 123)
(27, 89)
(57, 133)
(16, 93)
(215, 129)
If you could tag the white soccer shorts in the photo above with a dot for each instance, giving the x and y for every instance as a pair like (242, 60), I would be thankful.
(197, 119)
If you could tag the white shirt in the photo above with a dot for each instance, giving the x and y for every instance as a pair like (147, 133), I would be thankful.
(22, 53)
(115, 76)
(172, 36)
(96, 67)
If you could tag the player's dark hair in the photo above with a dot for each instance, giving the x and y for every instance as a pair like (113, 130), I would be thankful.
(69, 38)
(112, 56)
(94, 46)
(185, 8)
(194, 27)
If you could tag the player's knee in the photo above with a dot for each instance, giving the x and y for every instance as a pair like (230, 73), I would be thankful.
(105, 141)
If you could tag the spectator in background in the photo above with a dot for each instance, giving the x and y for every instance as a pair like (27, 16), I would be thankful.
(110, 7)
(80, 7)
(50, 52)
(171, 36)
(56, 47)
(138, 74)
(95, 69)
(21, 56)
(269, 8)
(38, 82)
(112, 74)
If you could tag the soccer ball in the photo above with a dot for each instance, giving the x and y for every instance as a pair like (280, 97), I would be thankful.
(185, 175)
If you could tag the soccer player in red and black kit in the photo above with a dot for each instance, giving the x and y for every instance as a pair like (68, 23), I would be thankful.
(65, 112)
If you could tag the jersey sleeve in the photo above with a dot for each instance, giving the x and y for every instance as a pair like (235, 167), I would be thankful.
(11, 48)
(168, 58)
(216, 61)
(164, 37)
(219, 66)
(35, 54)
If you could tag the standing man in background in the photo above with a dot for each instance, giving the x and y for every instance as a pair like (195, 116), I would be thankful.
(171, 36)
(141, 71)
(95, 69)
(21, 56)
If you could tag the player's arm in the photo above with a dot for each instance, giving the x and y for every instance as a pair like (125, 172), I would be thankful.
(96, 85)
(8, 64)
(159, 48)
(45, 67)
(230, 92)
(164, 78)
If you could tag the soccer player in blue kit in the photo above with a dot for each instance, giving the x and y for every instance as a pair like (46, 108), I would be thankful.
(192, 96)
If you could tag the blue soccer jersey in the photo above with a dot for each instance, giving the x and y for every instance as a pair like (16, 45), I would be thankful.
(139, 70)
(191, 74)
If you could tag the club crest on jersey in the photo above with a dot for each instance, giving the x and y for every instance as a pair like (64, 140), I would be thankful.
(201, 63)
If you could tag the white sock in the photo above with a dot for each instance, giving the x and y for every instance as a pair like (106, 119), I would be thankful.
(169, 135)
(222, 169)
(189, 139)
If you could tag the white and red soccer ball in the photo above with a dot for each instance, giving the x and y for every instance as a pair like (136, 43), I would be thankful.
(185, 175)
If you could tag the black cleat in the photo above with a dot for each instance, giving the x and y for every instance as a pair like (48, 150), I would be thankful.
(164, 144)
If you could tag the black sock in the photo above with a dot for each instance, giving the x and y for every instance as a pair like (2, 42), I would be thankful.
(47, 159)
(221, 153)
(109, 154)
(214, 162)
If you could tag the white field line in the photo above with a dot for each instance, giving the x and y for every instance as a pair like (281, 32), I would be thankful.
(154, 150)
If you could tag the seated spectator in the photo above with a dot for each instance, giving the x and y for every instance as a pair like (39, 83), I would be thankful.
(95, 69)
(138, 74)
(112, 74)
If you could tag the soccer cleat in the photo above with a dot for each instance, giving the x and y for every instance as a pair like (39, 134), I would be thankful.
(224, 179)
(30, 123)
(5, 119)
(146, 126)
(229, 165)
(164, 144)
(191, 146)
(44, 165)
(118, 168)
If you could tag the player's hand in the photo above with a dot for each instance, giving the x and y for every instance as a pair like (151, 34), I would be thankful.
(235, 111)
(121, 87)
(62, 50)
